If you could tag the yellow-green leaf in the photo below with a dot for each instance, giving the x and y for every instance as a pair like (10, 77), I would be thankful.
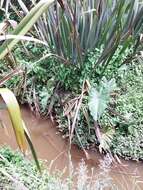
(15, 117)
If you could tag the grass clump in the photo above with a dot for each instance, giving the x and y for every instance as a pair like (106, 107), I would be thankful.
(17, 172)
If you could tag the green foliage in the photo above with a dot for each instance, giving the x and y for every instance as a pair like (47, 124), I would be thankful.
(121, 124)
(17, 172)
(86, 25)
(45, 75)
(127, 118)
(70, 77)
(99, 99)
(19, 128)
(1, 14)
(24, 26)
(45, 95)
(103, 37)
(22, 169)
(128, 139)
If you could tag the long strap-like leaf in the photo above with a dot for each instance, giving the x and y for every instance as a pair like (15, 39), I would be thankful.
(24, 26)
(19, 127)
(15, 117)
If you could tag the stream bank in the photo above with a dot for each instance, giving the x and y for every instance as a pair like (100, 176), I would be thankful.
(50, 146)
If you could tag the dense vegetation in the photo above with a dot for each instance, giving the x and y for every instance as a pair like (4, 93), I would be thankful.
(19, 173)
(88, 74)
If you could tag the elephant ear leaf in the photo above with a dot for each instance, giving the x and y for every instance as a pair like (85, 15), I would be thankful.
(99, 99)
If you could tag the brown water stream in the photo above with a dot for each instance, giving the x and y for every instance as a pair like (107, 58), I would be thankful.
(50, 146)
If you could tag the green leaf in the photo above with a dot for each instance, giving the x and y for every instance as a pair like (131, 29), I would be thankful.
(25, 25)
(99, 99)
(15, 117)
(28, 138)
(94, 103)
(20, 130)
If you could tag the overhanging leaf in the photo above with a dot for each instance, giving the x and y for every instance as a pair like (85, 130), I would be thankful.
(24, 26)
(15, 117)
(18, 125)
(20, 37)
(28, 138)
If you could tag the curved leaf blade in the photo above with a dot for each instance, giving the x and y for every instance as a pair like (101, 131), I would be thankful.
(25, 25)
(15, 117)
(28, 138)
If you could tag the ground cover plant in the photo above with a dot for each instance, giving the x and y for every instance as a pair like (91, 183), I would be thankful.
(129, 104)
(77, 77)
(17, 172)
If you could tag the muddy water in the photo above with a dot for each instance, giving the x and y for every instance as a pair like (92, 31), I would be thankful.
(50, 146)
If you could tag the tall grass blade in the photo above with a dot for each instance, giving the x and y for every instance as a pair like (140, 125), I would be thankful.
(20, 130)
(24, 26)
(28, 138)
(15, 117)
